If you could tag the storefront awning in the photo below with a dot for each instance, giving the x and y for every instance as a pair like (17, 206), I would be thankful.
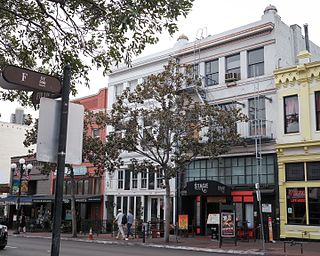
(67, 199)
(11, 200)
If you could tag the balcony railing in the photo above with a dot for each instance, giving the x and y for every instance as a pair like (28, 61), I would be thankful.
(256, 128)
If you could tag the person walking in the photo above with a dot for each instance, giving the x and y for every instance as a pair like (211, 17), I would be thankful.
(129, 224)
(118, 219)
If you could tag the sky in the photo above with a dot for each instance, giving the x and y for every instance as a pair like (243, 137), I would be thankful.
(211, 17)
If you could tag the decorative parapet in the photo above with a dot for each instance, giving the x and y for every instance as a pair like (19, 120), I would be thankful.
(300, 74)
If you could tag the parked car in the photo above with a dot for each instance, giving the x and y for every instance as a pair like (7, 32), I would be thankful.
(3, 236)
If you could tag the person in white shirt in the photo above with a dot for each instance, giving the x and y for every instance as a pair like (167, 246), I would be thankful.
(118, 219)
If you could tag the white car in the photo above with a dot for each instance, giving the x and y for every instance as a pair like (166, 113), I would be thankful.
(3, 236)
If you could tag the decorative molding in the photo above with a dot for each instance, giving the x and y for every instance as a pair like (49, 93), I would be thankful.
(302, 74)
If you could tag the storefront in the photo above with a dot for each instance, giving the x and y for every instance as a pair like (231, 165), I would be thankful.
(201, 198)
(300, 204)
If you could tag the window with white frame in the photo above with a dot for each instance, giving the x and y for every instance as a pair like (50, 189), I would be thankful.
(134, 180)
(257, 116)
(120, 179)
(291, 114)
(212, 72)
(256, 62)
(159, 179)
(144, 179)
(118, 89)
(133, 84)
(233, 67)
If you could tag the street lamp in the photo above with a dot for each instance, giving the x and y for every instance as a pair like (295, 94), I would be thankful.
(19, 172)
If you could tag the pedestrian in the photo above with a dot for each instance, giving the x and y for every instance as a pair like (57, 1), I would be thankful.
(129, 224)
(118, 219)
(23, 223)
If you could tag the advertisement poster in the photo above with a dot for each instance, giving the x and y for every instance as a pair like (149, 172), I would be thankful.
(228, 228)
(15, 186)
(183, 222)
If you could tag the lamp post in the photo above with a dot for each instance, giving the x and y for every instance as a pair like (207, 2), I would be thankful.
(20, 171)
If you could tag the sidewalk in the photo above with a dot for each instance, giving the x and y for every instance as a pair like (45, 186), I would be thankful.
(204, 244)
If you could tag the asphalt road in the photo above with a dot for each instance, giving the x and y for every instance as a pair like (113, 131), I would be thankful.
(19, 246)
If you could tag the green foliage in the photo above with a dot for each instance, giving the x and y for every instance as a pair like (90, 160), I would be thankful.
(44, 35)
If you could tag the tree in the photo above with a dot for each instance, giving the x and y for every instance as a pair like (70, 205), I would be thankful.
(44, 35)
(164, 124)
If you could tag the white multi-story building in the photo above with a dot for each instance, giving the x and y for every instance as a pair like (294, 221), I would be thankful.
(236, 68)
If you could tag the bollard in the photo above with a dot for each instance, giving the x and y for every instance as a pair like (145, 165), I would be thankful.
(143, 234)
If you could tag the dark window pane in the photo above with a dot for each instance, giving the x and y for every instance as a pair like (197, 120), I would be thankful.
(314, 206)
(212, 72)
(151, 180)
(291, 114)
(295, 172)
(255, 56)
(313, 170)
(233, 62)
(296, 206)
(317, 102)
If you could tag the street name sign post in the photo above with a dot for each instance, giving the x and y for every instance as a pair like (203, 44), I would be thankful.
(17, 78)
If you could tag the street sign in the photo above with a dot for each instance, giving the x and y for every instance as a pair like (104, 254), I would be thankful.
(36, 96)
(48, 132)
(17, 78)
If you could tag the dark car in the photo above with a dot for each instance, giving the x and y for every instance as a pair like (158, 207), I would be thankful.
(3, 236)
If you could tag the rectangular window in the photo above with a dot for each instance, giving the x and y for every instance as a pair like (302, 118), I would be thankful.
(317, 104)
(86, 187)
(256, 62)
(291, 114)
(257, 116)
(314, 206)
(80, 187)
(195, 71)
(132, 85)
(118, 89)
(233, 68)
(159, 180)
(296, 206)
(313, 171)
(134, 180)
(95, 133)
(127, 180)
(212, 72)
(151, 180)
(294, 172)
(120, 179)
(97, 186)
(143, 179)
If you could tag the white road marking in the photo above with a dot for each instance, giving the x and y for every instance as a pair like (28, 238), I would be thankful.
(12, 247)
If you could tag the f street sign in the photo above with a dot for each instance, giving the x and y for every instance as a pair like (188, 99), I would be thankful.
(16, 78)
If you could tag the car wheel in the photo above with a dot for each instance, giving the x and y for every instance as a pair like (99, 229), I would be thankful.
(2, 247)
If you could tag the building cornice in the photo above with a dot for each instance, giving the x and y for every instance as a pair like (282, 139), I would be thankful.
(301, 74)
(215, 41)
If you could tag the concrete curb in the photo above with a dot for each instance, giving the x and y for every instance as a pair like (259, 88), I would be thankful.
(174, 247)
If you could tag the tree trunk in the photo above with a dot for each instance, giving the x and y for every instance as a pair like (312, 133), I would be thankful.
(73, 204)
(167, 212)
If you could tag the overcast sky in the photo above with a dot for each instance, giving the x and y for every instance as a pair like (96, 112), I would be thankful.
(213, 17)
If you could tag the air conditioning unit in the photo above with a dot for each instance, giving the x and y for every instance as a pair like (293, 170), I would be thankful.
(232, 77)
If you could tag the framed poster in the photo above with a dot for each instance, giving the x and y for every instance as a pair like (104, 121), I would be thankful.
(183, 222)
(228, 225)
